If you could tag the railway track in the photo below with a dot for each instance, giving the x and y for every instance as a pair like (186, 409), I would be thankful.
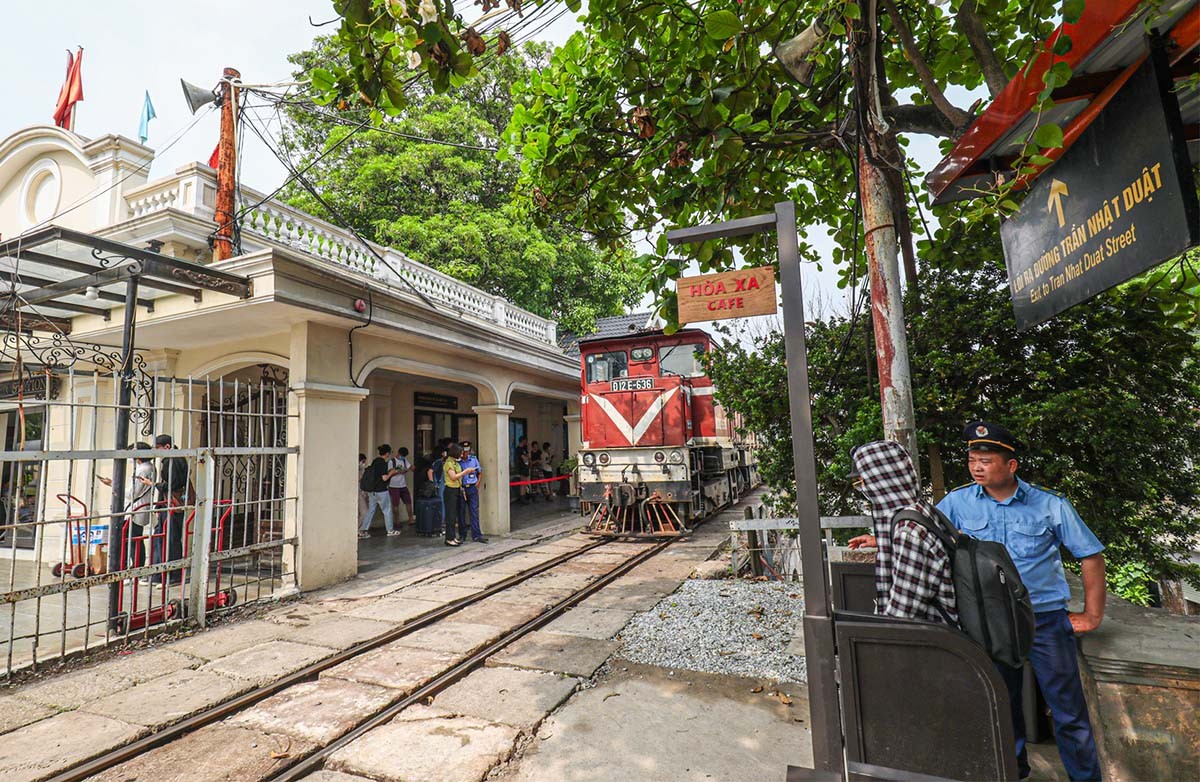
(296, 767)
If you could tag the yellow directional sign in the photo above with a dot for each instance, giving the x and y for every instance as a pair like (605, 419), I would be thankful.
(1057, 191)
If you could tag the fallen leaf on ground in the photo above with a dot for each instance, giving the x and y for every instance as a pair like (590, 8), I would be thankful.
(280, 755)
(757, 689)
(756, 636)
(785, 700)
(612, 695)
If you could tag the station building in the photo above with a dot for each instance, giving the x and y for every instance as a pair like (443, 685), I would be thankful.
(427, 356)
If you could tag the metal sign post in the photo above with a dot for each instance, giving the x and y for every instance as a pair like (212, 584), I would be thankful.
(818, 621)
(879, 722)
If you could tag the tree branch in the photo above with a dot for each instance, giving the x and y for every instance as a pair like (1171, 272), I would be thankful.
(922, 118)
(968, 23)
(957, 117)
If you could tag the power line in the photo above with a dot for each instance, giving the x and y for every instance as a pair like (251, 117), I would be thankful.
(337, 218)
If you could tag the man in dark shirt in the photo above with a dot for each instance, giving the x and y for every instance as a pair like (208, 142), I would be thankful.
(173, 495)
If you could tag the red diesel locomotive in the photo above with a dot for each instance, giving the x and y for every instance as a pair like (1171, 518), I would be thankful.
(658, 452)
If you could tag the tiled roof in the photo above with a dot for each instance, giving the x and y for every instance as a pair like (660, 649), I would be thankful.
(614, 326)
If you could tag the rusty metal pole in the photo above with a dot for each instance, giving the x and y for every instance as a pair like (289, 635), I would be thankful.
(887, 307)
(226, 168)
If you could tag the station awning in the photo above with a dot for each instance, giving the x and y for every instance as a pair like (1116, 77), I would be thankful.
(45, 277)
(1108, 45)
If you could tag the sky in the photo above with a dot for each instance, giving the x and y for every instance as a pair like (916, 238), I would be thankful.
(133, 47)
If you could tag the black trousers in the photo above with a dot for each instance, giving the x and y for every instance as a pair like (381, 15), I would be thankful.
(169, 549)
(456, 524)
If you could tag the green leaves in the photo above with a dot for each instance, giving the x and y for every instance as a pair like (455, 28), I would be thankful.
(722, 24)
(1072, 10)
(782, 101)
(1048, 136)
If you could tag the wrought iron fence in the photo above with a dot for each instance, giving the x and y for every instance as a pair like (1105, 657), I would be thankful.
(195, 528)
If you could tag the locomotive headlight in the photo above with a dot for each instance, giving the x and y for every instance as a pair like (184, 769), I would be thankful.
(589, 459)
(660, 457)
(676, 457)
(604, 458)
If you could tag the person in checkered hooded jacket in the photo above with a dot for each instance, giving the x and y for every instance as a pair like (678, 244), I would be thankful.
(912, 569)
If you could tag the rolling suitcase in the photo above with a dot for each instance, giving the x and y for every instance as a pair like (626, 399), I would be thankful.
(429, 516)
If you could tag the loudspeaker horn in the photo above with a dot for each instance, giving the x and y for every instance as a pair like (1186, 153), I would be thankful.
(197, 96)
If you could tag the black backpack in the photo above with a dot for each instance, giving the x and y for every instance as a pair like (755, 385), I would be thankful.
(372, 477)
(994, 608)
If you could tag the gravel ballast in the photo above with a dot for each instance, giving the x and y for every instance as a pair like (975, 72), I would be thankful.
(738, 628)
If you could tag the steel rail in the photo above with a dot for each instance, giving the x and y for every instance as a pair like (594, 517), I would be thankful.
(314, 761)
(174, 731)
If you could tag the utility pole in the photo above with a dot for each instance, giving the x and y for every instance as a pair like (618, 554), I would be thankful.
(879, 210)
(226, 167)
(882, 242)
(887, 303)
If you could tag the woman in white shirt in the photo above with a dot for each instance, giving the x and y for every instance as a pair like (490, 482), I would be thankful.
(139, 499)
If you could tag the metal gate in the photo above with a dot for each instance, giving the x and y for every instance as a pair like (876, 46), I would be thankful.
(203, 525)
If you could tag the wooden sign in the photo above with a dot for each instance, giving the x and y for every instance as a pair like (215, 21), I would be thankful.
(736, 294)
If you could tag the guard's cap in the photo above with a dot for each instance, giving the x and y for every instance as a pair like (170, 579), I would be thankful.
(987, 436)
(465, 444)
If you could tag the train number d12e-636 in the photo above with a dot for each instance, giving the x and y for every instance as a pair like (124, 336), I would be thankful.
(657, 451)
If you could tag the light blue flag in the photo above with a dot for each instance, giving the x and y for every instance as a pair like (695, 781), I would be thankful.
(147, 115)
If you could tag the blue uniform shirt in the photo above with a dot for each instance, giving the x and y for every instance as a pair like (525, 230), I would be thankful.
(1032, 524)
(473, 478)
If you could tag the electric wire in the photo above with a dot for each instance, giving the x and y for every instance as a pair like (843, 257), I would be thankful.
(336, 216)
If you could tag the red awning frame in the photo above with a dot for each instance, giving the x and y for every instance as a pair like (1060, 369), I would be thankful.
(987, 147)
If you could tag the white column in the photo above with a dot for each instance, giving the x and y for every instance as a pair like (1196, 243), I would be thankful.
(323, 477)
(493, 458)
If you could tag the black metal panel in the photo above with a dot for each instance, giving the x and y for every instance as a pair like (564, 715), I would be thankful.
(853, 586)
(922, 698)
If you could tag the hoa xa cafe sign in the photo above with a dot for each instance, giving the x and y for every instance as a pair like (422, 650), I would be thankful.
(1118, 202)
(736, 294)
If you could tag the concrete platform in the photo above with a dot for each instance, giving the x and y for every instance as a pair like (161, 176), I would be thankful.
(168, 699)
(572, 655)
(511, 696)
(42, 748)
(267, 661)
(214, 753)
(642, 724)
(459, 638)
(591, 622)
(395, 667)
(316, 712)
(71, 690)
(393, 610)
(340, 632)
(437, 749)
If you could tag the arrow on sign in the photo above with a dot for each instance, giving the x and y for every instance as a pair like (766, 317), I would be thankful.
(1058, 190)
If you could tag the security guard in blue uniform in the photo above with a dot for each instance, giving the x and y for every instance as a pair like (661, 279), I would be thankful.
(1033, 524)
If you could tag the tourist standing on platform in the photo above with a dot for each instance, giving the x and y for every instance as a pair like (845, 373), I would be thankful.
(456, 527)
(375, 483)
(471, 472)
(548, 489)
(437, 475)
(139, 508)
(400, 466)
(912, 570)
(1034, 524)
(173, 495)
(523, 468)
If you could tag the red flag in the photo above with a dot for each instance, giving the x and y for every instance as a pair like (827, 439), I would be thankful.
(215, 157)
(71, 92)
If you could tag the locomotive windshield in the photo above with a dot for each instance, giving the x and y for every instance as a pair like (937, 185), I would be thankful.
(682, 360)
(602, 367)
